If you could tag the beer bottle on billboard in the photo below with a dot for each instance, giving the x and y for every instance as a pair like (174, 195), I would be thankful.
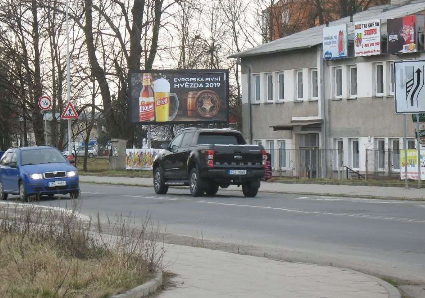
(146, 100)
(162, 100)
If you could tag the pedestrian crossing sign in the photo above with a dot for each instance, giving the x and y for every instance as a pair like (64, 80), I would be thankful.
(69, 112)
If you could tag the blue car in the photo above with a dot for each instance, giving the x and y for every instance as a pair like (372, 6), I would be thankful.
(33, 171)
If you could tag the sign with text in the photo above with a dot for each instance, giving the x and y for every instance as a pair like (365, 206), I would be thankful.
(335, 42)
(178, 96)
(409, 87)
(412, 164)
(402, 35)
(367, 38)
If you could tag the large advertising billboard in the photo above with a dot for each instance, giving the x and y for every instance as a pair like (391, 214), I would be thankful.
(367, 38)
(178, 96)
(412, 164)
(402, 35)
(335, 42)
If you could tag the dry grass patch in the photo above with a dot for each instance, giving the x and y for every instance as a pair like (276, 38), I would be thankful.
(46, 253)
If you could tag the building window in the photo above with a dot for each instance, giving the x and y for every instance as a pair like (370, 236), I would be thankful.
(270, 149)
(299, 84)
(411, 144)
(392, 78)
(381, 154)
(353, 82)
(395, 154)
(340, 153)
(269, 78)
(282, 154)
(356, 154)
(285, 16)
(257, 93)
(281, 84)
(379, 79)
(258, 142)
(314, 84)
(338, 82)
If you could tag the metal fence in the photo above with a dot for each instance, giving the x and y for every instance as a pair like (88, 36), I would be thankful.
(382, 163)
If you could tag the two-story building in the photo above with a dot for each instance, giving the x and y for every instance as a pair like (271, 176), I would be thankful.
(317, 117)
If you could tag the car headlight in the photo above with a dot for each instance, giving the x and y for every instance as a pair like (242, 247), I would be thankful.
(71, 174)
(36, 176)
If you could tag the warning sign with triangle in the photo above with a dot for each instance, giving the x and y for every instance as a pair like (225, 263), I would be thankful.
(69, 112)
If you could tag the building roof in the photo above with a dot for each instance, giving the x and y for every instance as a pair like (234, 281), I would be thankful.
(314, 36)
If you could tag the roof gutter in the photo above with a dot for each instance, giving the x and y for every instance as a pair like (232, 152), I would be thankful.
(242, 55)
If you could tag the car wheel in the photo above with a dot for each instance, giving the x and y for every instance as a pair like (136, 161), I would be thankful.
(22, 192)
(249, 191)
(3, 195)
(211, 189)
(158, 182)
(74, 194)
(195, 183)
(91, 155)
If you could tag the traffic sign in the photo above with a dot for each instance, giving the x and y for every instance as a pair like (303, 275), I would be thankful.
(409, 87)
(44, 102)
(69, 112)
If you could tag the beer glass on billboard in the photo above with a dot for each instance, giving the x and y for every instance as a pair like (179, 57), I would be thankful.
(146, 100)
(162, 101)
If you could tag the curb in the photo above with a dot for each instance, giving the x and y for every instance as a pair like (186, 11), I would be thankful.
(145, 289)
(282, 192)
(392, 290)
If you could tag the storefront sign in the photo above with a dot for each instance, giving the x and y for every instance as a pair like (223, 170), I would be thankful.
(402, 35)
(335, 42)
(412, 164)
(367, 38)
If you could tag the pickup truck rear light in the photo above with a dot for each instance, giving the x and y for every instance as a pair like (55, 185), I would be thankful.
(210, 158)
(264, 155)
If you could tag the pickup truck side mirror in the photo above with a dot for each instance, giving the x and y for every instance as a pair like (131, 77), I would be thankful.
(13, 165)
(164, 146)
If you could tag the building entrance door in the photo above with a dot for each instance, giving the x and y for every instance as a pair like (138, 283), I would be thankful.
(309, 155)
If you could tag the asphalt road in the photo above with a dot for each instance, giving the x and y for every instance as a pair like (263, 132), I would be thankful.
(385, 238)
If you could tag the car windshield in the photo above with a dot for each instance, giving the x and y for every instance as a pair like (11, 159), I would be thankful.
(41, 156)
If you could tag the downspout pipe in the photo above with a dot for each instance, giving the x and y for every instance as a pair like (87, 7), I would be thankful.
(249, 66)
(324, 115)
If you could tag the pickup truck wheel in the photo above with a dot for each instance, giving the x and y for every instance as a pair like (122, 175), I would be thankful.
(211, 189)
(158, 182)
(3, 195)
(195, 183)
(249, 191)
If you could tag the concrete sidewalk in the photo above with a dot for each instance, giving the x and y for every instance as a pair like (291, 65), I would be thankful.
(302, 189)
(210, 274)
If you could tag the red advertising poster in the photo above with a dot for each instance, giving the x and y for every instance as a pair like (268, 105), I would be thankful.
(402, 35)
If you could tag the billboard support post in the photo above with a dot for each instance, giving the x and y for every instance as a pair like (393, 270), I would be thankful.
(418, 137)
(406, 185)
(149, 137)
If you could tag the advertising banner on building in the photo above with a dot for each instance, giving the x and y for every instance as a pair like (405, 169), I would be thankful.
(409, 87)
(140, 159)
(179, 96)
(402, 35)
(367, 38)
(412, 164)
(335, 42)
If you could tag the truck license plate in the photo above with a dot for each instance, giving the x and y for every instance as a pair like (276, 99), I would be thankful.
(57, 183)
(237, 172)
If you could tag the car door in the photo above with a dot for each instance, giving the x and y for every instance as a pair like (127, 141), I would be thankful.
(169, 158)
(182, 154)
(14, 172)
(4, 171)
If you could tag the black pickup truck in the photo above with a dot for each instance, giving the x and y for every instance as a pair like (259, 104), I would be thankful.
(206, 159)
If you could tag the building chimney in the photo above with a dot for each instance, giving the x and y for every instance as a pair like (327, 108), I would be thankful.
(399, 2)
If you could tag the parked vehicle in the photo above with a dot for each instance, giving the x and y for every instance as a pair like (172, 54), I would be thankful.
(92, 152)
(32, 171)
(206, 159)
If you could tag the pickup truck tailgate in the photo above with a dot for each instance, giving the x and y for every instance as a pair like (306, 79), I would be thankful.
(240, 156)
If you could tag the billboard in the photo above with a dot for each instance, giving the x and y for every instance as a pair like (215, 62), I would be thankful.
(141, 159)
(335, 42)
(178, 96)
(412, 164)
(367, 38)
(402, 35)
(409, 87)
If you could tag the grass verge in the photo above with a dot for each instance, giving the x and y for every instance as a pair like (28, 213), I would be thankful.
(46, 253)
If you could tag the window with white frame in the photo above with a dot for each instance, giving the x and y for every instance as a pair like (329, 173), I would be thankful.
(270, 149)
(395, 153)
(411, 144)
(381, 154)
(285, 16)
(281, 86)
(353, 81)
(257, 90)
(257, 142)
(269, 81)
(282, 154)
(339, 153)
(314, 84)
(355, 161)
(392, 78)
(379, 79)
(337, 82)
(299, 84)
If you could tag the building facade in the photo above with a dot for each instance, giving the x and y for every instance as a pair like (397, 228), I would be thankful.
(322, 118)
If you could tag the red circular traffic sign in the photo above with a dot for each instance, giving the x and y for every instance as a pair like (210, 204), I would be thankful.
(45, 102)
